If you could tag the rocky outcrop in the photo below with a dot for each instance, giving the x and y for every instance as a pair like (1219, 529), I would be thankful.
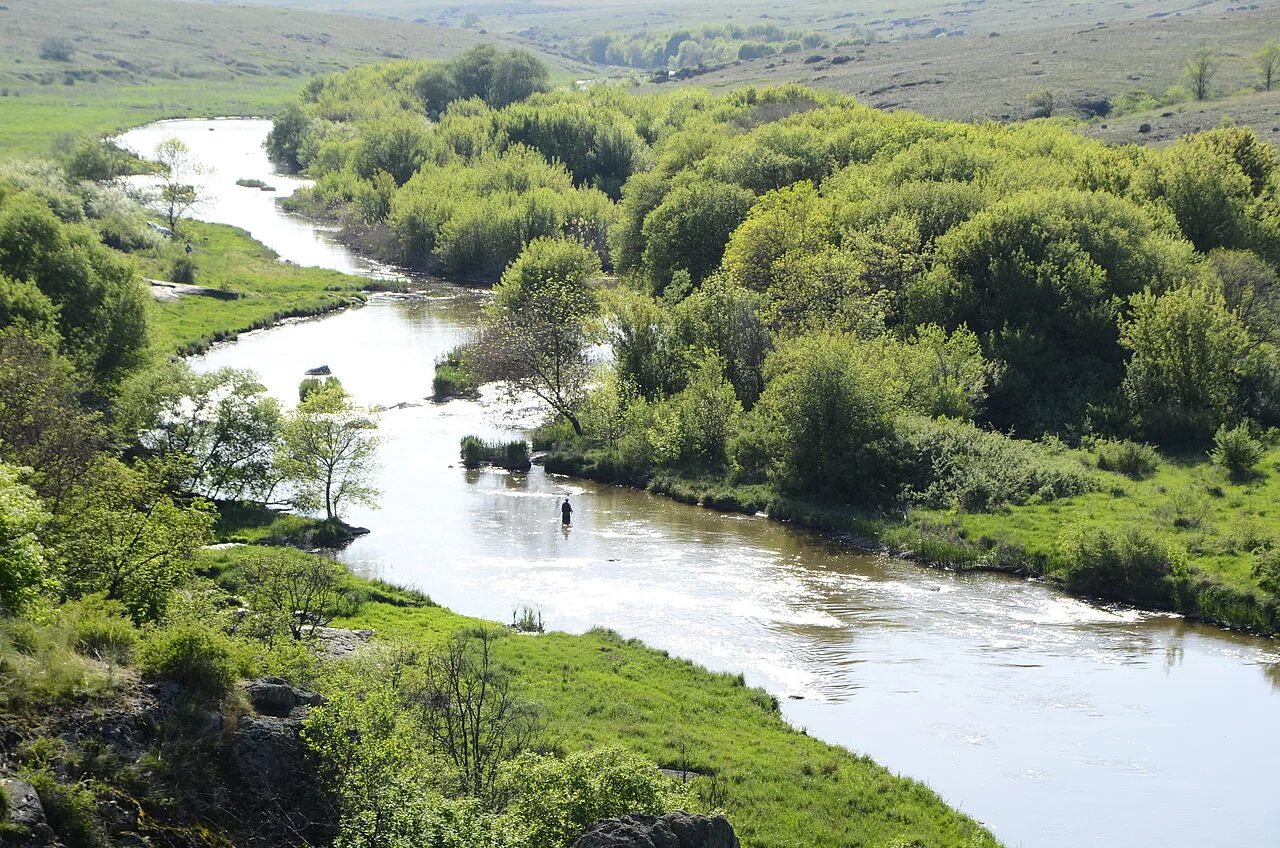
(26, 813)
(275, 697)
(674, 830)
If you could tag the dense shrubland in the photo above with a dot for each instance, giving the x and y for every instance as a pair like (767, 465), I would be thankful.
(710, 45)
(833, 304)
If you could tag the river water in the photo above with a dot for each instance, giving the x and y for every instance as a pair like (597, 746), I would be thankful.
(1056, 722)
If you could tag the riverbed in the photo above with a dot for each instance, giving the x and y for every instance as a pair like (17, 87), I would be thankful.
(1056, 722)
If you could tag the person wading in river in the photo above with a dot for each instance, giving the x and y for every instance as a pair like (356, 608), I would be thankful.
(566, 513)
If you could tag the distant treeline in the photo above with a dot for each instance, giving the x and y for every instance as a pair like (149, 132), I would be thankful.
(707, 45)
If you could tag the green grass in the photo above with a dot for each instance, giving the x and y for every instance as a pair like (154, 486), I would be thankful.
(784, 788)
(228, 258)
(29, 124)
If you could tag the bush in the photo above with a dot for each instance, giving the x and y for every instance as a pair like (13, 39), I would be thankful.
(38, 666)
(955, 464)
(204, 661)
(1236, 450)
(1132, 459)
(1266, 569)
(183, 270)
(57, 50)
(1124, 565)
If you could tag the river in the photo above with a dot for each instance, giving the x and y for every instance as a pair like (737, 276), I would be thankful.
(1056, 722)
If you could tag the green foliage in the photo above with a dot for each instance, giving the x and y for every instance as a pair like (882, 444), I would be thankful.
(198, 657)
(39, 666)
(954, 464)
(123, 536)
(552, 801)
(1127, 565)
(22, 555)
(826, 424)
(183, 270)
(290, 591)
(513, 455)
(453, 376)
(101, 629)
(71, 809)
(101, 308)
(1188, 359)
(1132, 459)
(1236, 449)
(221, 425)
(688, 230)
(328, 450)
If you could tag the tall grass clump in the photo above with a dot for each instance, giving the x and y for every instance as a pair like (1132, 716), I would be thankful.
(513, 456)
(205, 661)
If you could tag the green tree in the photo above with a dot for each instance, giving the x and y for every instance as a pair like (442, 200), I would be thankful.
(1267, 63)
(1199, 71)
(516, 75)
(689, 229)
(826, 420)
(291, 590)
(288, 134)
(223, 422)
(22, 555)
(544, 315)
(1043, 103)
(101, 308)
(125, 537)
(328, 451)
(1188, 359)
(1251, 290)
(177, 193)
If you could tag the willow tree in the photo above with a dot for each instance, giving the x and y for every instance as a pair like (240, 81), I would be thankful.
(543, 318)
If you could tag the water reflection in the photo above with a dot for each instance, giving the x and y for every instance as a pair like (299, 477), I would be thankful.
(1056, 721)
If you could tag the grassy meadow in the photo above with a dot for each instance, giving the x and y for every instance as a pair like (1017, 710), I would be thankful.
(776, 784)
(83, 67)
(265, 290)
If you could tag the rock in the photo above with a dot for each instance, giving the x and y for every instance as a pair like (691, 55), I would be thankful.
(26, 811)
(268, 755)
(320, 371)
(275, 697)
(674, 830)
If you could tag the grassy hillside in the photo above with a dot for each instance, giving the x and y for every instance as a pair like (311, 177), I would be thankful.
(109, 65)
(778, 786)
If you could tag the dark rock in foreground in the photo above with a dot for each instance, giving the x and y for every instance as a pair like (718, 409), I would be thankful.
(674, 830)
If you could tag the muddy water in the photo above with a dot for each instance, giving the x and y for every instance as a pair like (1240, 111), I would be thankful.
(1056, 722)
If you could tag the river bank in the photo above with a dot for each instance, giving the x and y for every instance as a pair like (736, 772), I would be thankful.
(1014, 541)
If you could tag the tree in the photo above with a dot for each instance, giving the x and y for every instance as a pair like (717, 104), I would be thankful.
(125, 537)
(328, 451)
(543, 316)
(177, 193)
(826, 420)
(1251, 290)
(288, 133)
(1199, 71)
(516, 75)
(43, 425)
(22, 555)
(1267, 62)
(689, 229)
(1042, 103)
(1188, 358)
(223, 422)
(291, 589)
(471, 711)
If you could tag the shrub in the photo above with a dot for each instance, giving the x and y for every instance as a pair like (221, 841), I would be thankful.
(57, 50)
(1125, 565)
(1236, 450)
(39, 667)
(1132, 459)
(1266, 568)
(955, 464)
(183, 270)
(527, 619)
(204, 661)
